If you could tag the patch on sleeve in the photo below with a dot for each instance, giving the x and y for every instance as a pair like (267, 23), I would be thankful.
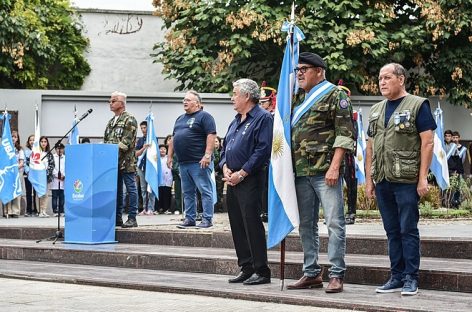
(343, 104)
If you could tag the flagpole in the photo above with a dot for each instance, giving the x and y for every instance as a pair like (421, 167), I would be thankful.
(282, 243)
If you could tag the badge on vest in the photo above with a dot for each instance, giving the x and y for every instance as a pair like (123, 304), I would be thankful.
(343, 104)
(402, 120)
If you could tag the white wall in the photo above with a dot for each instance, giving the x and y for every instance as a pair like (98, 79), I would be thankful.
(119, 53)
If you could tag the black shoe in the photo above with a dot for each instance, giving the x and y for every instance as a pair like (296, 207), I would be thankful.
(240, 278)
(119, 221)
(256, 279)
(199, 217)
(131, 222)
(264, 217)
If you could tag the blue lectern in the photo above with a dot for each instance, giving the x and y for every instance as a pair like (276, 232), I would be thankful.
(90, 193)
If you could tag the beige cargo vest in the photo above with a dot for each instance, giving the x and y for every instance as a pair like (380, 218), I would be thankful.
(396, 148)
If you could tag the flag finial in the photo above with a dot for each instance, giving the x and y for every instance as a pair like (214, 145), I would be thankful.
(292, 15)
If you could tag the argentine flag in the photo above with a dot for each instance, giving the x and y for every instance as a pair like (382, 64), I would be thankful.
(153, 174)
(439, 163)
(360, 150)
(74, 135)
(10, 183)
(37, 172)
(283, 207)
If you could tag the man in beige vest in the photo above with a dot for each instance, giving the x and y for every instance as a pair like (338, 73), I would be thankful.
(398, 156)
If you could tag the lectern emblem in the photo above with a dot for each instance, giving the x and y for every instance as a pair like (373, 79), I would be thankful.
(78, 186)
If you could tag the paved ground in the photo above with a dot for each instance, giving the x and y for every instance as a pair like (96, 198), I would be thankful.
(23, 295)
(428, 228)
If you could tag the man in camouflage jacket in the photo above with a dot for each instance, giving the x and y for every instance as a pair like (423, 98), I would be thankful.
(322, 130)
(121, 130)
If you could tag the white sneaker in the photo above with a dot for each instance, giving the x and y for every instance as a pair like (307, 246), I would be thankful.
(177, 212)
(149, 213)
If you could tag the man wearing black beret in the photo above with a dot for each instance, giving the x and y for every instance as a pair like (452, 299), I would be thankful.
(322, 130)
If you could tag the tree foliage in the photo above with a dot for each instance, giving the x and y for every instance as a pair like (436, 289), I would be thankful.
(210, 43)
(41, 45)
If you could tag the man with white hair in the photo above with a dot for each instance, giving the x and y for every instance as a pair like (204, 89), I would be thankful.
(247, 148)
(121, 130)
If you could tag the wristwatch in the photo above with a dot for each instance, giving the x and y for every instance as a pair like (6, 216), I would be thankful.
(207, 156)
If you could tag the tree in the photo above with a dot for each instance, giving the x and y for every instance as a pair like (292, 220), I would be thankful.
(42, 45)
(210, 43)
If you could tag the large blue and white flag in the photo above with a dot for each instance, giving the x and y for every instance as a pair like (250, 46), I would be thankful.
(439, 163)
(153, 173)
(10, 183)
(37, 172)
(74, 135)
(283, 207)
(360, 150)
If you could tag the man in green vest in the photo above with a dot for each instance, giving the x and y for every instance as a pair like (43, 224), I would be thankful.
(398, 156)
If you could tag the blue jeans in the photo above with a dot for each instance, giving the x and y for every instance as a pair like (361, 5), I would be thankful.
(149, 197)
(398, 204)
(194, 177)
(129, 179)
(311, 192)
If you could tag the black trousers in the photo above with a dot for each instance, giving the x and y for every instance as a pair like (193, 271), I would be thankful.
(244, 211)
(30, 196)
(351, 183)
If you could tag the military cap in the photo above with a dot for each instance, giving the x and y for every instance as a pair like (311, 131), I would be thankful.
(312, 59)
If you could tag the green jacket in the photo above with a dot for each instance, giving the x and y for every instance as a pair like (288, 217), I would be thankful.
(396, 148)
(325, 126)
(123, 133)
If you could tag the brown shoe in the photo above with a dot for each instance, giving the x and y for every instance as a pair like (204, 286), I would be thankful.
(308, 282)
(335, 285)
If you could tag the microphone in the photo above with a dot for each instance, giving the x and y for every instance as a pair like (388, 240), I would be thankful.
(85, 114)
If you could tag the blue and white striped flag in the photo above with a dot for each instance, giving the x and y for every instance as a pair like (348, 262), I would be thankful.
(10, 183)
(37, 173)
(439, 163)
(360, 150)
(283, 207)
(153, 174)
(74, 135)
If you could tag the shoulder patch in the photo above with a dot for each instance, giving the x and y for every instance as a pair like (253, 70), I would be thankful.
(343, 104)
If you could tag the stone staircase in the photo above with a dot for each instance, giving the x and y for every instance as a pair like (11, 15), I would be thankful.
(209, 257)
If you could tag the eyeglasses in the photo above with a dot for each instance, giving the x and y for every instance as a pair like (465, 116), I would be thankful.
(302, 69)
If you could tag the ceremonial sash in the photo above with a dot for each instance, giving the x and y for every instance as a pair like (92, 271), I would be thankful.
(452, 150)
(314, 96)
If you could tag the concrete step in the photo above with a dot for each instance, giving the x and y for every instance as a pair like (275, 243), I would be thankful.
(439, 274)
(434, 247)
(354, 297)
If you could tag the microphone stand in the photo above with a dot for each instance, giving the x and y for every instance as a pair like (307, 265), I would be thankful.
(58, 234)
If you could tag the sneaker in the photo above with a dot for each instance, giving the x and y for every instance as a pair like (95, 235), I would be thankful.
(149, 213)
(410, 286)
(56, 214)
(186, 224)
(199, 217)
(177, 212)
(167, 212)
(350, 219)
(205, 224)
(392, 285)
(131, 222)
(27, 215)
(142, 213)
